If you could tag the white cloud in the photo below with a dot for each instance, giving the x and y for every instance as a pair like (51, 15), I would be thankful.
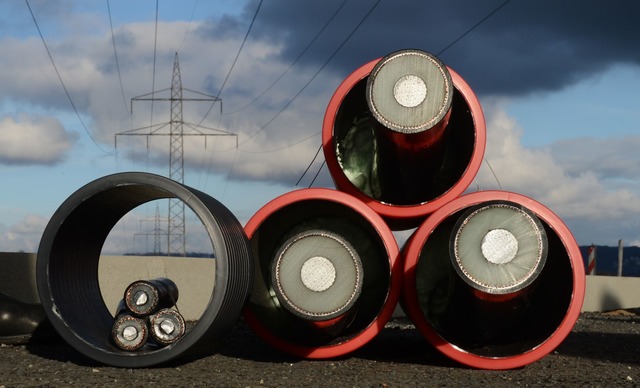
(588, 182)
(29, 140)
(576, 191)
(23, 236)
(87, 67)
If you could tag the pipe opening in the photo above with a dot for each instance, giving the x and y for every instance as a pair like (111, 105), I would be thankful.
(498, 247)
(317, 275)
(481, 323)
(399, 171)
(135, 252)
(326, 307)
(68, 266)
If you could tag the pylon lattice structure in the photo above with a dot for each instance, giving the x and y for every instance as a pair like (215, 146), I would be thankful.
(156, 233)
(176, 230)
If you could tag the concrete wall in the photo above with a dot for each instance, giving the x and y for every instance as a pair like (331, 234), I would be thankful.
(611, 292)
(194, 277)
(18, 276)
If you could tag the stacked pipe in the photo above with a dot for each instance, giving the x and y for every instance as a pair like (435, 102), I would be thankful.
(328, 274)
(147, 311)
(385, 153)
(492, 279)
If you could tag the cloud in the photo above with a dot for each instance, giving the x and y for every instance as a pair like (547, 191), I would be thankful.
(29, 140)
(545, 52)
(564, 178)
(595, 155)
(23, 236)
(526, 46)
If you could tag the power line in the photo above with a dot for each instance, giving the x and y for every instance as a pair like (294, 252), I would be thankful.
(317, 173)
(115, 53)
(255, 15)
(456, 41)
(155, 50)
(193, 12)
(473, 27)
(246, 36)
(263, 151)
(335, 52)
(324, 27)
(61, 81)
(309, 166)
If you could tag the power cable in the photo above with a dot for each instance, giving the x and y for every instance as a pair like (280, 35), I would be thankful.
(61, 81)
(244, 40)
(309, 166)
(335, 52)
(317, 173)
(438, 54)
(473, 27)
(458, 39)
(115, 53)
(324, 27)
(255, 15)
(155, 50)
(263, 151)
(493, 172)
(193, 12)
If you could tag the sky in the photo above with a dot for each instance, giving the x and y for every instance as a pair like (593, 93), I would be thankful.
(558, 83)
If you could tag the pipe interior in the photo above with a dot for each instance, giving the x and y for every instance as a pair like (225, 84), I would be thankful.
(425, 176)
(485, 327)
(75, 254)
(334, 218)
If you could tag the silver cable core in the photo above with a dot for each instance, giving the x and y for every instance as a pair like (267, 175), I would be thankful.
(498, 247)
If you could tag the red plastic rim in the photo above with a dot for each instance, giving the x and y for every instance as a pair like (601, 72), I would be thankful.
(392, 251)
(406, 214)
(411, 254)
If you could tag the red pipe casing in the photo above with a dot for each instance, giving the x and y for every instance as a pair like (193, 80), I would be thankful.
(384, 154)
(455, 292)
(328, 273)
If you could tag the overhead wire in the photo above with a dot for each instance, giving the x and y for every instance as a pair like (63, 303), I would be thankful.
(263, 151)
(335, 52)
(300, 55)
(309, 166)
(310, 80)
(73, 105)
(495, 176)
(224, 83)
(155, 51)
(317, 173)
(468, 31)
(186, 34)
(217, 97)
(115, 53)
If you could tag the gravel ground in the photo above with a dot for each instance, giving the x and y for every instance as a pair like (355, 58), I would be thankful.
(602, 350)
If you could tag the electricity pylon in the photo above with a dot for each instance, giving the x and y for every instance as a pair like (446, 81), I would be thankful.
(157, 232)
(176, 236)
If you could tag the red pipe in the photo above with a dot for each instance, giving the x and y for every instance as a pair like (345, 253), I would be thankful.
(349, 101)
(553, 306)
(371, 238)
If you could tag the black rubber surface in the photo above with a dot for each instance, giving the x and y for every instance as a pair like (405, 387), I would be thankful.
(69, 252)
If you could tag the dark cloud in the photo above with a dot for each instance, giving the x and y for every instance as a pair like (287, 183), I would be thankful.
(526, 46)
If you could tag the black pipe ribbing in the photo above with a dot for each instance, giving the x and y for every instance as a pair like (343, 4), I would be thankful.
(69, 253)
